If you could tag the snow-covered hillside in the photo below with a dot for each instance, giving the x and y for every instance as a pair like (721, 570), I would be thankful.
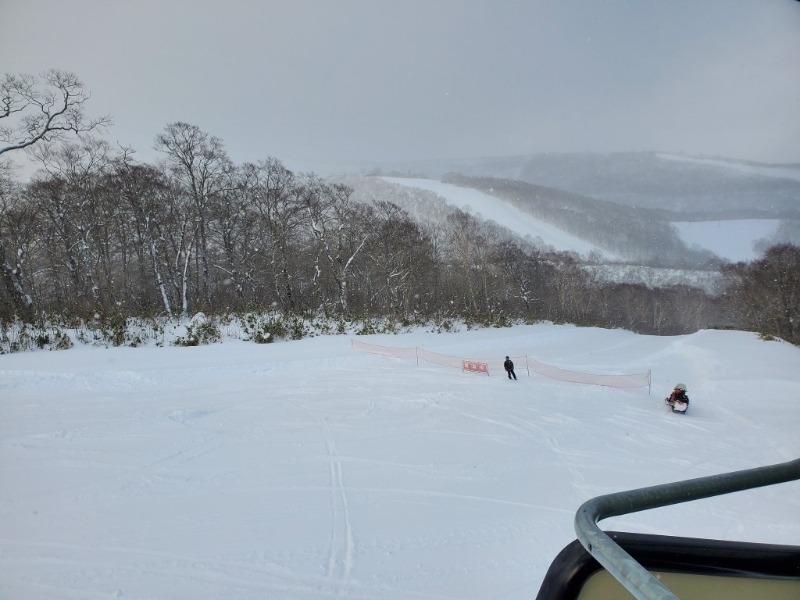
(491, 208)
(732, 240)
(308, 470)
(780, 172)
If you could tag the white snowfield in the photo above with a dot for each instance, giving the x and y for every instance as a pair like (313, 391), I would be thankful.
(307, 470)
(731, 240)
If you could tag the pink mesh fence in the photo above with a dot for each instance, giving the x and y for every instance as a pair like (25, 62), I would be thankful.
(634, 380)
(385, 350)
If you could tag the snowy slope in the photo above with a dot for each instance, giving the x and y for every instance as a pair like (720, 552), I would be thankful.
(308, 470)
(731, 240)
(491, 208)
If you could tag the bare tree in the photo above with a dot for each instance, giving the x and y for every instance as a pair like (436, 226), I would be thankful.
(202, 168)
(180, 235)
(143, 191)
(337, 225)
(17, 234)
(398, 252)
(37, 109)
(68, 195)
(277, 197)
(764, 295)
(465, 241)
(570, 285)
(43, 109)
(233, 230)
(524, 275)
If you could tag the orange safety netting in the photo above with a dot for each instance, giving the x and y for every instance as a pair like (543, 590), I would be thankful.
(634, 380)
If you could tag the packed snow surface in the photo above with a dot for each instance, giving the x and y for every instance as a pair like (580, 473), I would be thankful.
(309, 470)
(503, 213)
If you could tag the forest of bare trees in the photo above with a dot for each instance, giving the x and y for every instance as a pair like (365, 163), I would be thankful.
(764, 295)
(96, 234)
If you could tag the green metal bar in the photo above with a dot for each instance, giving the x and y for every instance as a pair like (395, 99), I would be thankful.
(635, 578)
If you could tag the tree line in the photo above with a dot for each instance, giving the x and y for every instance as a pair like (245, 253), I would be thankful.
(97, 234)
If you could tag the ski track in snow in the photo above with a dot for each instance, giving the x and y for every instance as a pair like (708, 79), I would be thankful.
(316, 471)
(339, 568)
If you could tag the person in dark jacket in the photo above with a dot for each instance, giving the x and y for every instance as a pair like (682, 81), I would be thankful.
(678, 395)
(509, 367)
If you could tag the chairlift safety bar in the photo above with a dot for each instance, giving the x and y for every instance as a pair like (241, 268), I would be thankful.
(633, 576)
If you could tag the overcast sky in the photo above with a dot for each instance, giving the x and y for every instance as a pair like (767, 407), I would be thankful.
(382, 80)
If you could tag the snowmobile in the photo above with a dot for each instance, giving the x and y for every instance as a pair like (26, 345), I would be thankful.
(603, 565)
(678, 406)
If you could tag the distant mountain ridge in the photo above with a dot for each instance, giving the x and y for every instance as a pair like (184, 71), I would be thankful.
(642, 235)
(695, 187)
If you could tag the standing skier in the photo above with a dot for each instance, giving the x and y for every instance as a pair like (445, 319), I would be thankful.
(509, 367)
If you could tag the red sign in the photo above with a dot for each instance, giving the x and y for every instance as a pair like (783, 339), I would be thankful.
(477, 367)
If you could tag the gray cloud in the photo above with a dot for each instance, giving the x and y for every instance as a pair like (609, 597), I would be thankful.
(378, 80)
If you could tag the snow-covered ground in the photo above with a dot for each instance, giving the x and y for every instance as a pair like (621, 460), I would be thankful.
(308, 470)
(489, 207)
(732, 240)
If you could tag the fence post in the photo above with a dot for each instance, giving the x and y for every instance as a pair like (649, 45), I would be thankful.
(416, 353)
(527, 366)
(649, 380)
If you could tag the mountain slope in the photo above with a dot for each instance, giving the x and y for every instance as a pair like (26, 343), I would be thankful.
(698, 187)
(489, 207)
(639, 235)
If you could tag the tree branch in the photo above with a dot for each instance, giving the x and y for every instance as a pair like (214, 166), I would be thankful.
(45, 108)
